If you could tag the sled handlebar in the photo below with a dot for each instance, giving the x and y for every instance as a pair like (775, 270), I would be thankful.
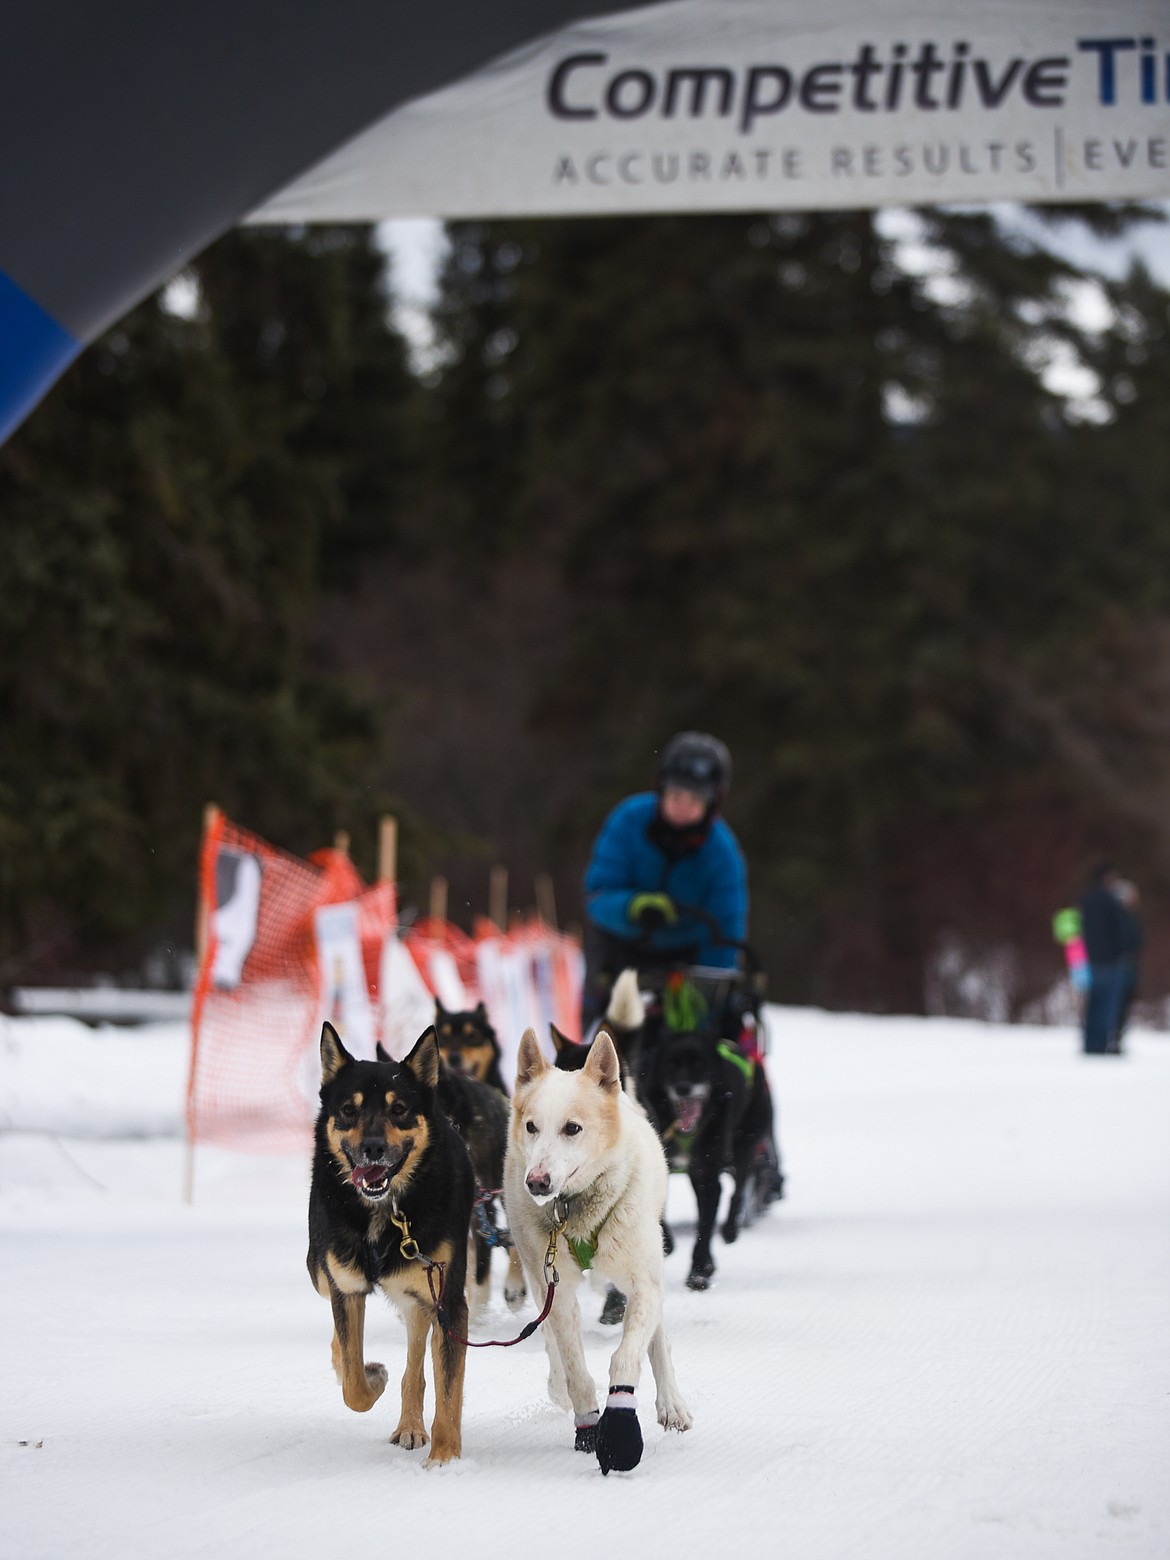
(752, 967)
(718, 936)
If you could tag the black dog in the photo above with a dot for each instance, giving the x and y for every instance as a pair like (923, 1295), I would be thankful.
(570, 1055)
(387, 1157)
(480, 1114)
(469, 1045)
(713, 1109)
(624, 1022)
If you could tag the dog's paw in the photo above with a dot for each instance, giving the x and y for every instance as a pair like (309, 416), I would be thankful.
(410, 1437)
(515, 1289)
(438, 1455)
(362, 1402)
(614, 1309)
(558, 1387)
(619, 1435)
(586, 1438)
(674, 1415)
(701, 1274)
(729, 1231)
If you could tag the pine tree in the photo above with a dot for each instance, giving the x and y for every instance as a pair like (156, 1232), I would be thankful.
(832, 511)
(167, 514)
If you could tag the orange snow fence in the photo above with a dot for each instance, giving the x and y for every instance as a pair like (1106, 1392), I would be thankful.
(445, 957)
(527, 976)
(289, 943)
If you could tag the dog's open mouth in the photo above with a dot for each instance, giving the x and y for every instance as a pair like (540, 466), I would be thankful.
(687, 1112)
(373, 1181)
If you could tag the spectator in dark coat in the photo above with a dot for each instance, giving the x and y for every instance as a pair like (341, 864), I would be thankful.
(1130, 901)
(1107, 930)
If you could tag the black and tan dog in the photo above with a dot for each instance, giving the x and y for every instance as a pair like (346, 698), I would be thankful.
(386, 1156)
(469, 1045)
(480, 1115)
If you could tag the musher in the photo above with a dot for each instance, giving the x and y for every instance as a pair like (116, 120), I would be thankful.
(658, 852)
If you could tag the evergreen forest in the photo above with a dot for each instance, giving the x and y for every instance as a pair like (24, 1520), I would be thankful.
(767, 476)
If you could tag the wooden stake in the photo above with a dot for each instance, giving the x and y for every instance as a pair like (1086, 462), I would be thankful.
(202, 908)
(546, 901)
(211, 814)
(438, 899)
(388, 850)
(498, 897)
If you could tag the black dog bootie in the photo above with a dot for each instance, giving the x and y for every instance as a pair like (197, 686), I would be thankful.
(586, 1433)
(619, 1435)
(614, 1308)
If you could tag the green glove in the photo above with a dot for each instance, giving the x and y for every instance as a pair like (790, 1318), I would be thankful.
(1066, 924)
(652, 911)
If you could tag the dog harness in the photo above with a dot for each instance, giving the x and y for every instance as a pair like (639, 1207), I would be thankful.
(746, 1064)
(584, 1251)
(684, 1006)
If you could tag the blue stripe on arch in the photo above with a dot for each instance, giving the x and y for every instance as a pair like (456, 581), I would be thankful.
(34, 351)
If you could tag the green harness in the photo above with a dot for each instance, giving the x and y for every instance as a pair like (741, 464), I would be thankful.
(584, 1251)
(729, 1054)
(683, 1007)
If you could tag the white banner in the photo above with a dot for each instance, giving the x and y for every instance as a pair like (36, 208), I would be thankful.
(345, 998)
(408, 1009)
(234, 919)
(724, 105)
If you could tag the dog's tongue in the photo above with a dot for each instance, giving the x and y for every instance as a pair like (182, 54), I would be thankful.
(370, 1177)
(689, 1112)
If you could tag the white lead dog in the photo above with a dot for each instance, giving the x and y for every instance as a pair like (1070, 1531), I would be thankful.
(584, 1161)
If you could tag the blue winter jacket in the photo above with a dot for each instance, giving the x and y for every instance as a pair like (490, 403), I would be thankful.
(625, 862)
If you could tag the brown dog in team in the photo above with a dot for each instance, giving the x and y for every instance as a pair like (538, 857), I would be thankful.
(389, 1209)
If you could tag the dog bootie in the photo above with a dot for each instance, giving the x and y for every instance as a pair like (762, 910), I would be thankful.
(619, 1435)
(614, 1308)
(586, 1440)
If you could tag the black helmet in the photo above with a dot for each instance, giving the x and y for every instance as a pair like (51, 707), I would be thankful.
(698, 762)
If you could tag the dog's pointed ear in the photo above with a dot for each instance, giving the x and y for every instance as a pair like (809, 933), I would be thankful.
(381, 1053)
(531, 1061)
(602, 1062)
(423, 1060)
(481, 1010)
(560, 1042)
(334, 1056)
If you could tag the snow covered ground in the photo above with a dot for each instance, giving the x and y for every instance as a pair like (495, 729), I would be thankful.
(951, 1340)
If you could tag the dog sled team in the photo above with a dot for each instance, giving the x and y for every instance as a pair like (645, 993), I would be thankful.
(411, 1157)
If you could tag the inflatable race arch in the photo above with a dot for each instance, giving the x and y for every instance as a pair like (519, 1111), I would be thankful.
(133, 134)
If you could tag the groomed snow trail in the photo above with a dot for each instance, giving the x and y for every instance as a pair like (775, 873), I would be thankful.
(949, 1341)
